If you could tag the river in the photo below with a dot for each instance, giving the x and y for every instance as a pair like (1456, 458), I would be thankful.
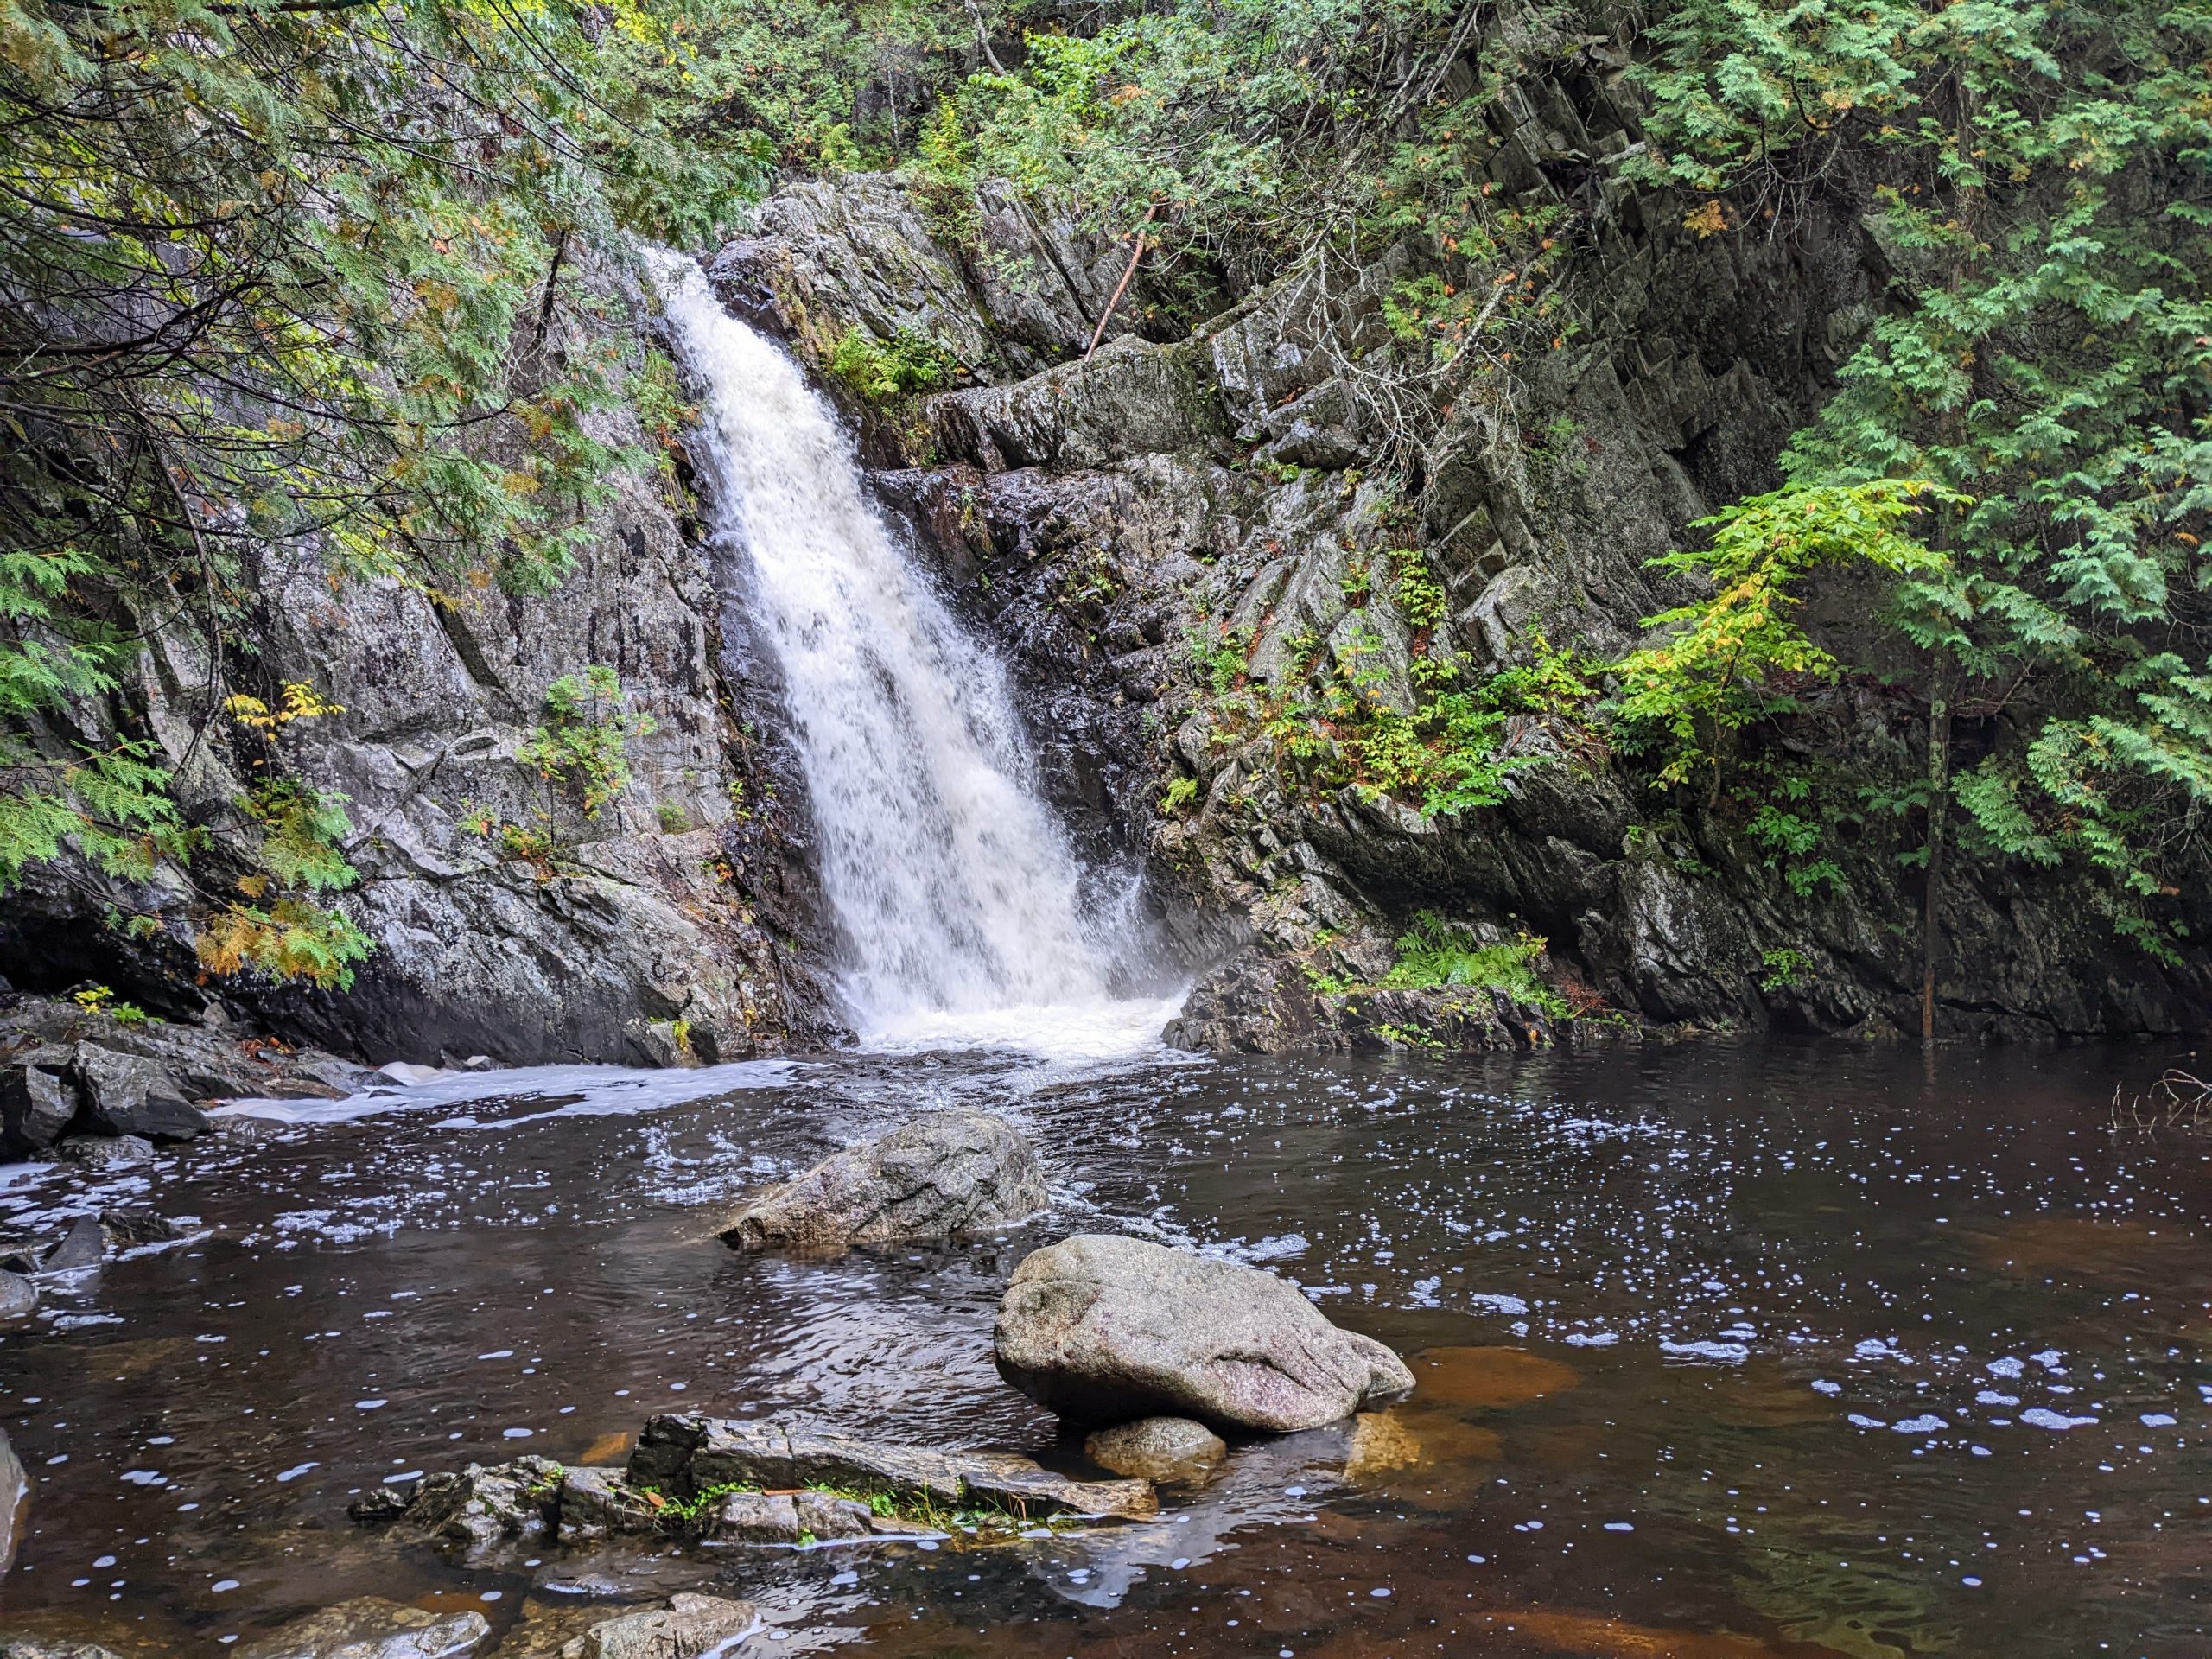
(1724, 1351)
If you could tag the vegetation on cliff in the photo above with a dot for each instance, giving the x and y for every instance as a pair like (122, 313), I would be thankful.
(284, 276)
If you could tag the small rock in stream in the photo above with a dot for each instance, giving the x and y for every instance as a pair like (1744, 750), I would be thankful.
(18, 1298)
(369, 1627)
(941, 1175)
(105, 1152)
(17, 1644)
(132, 1224)
(596, 1504)
(84, 1245)
(1159, 1449)
(1101, 1329)
(477, 1514)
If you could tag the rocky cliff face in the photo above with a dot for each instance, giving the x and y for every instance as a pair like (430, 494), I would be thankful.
(676, 922)
(1121, 522)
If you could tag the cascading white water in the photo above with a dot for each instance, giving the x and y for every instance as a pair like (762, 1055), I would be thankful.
(955, 887)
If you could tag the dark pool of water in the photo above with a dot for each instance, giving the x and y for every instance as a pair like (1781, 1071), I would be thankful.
(1725, 1352)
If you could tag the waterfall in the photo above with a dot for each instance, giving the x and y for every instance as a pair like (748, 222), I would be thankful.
(956, 895)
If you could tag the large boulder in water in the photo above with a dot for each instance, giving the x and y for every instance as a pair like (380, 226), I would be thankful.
(1100, 1329)
(947, 1173)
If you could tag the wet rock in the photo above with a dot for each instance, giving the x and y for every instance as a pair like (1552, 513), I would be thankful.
(753, 1518)
(407, 1076)
(22, 1645)
(380, 1505)
(546, 1627)
(801, 1517)
(685, 1453)
(480, 1513)
(341, 1077)
(126, 1095)
(829, 1516)
(105, 1152)
(84, 1246)
(596, 1504)
(1159, 1449)
(18, 1297)
(130, 1225)
(369, 1627)
(944, 1174)
(37, 1100)
(688, 1626)
(1101, 1328)
(15, 1497)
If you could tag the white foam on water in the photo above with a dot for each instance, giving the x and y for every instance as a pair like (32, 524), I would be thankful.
(607, 1092)
(1103, 1030)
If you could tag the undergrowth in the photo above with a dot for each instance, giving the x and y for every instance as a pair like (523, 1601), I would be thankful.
(1434, 954)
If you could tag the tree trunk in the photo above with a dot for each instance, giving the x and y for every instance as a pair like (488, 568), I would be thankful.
(1939, 810)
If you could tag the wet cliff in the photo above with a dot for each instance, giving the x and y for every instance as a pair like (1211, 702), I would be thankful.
(677, 922)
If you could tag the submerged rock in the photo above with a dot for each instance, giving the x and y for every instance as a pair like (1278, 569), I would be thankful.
(1159, 1449)
(104, 1152)
(687, 1453)
(947, 1173)
(369, 1627)
(18, 1298)
(1100, 1328)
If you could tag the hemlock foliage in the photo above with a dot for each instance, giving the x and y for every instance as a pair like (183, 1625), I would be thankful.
(2040, 175)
